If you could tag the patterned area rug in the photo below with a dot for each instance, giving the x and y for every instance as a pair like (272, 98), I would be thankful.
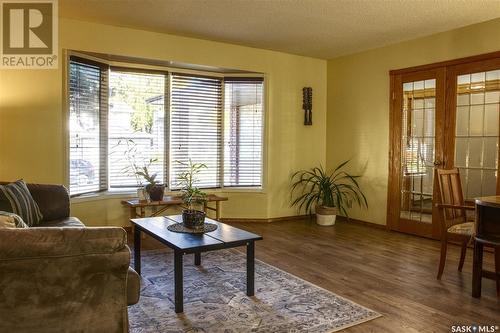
(215, 299)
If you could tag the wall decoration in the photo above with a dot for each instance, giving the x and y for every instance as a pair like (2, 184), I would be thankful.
(307, 105)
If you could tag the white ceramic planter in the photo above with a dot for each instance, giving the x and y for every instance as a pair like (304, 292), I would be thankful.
(325, 220)
(326, 216)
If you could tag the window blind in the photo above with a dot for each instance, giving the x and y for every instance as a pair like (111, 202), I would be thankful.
(196, 127)
(243, 132)
(87, 121)
(136, 126)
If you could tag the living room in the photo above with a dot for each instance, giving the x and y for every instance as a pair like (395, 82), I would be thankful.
(400, 99)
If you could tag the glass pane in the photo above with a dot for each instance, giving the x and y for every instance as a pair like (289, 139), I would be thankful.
(429, 122)
(477, 98)
(491, 119)
(475, 152)
(493, 75)
(489, 183)
(463, 99)
(136, 127)
(476, 120)
(461, 151)
(474, 183)
(462, 121)
(417, 152)
(490, 153)
(492, 97)
(476, 141)
(418, 122)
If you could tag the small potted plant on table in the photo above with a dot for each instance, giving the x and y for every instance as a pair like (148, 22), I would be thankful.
(193, 215)
(139, 167)
(153, 188)
(329, 194)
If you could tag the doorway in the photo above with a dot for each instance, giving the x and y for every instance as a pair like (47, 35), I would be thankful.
(442, 116)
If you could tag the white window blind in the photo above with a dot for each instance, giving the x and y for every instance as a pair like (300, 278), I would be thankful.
(196, 127)
(136, 126)
(243, 132)
(87, 119)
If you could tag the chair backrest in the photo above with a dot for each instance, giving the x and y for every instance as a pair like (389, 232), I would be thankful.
(450, 193)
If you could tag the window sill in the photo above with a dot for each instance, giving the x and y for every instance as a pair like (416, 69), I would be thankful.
(132, 193)
(113, 194)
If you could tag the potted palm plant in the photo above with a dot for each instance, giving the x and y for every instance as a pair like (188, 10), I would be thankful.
(193, 216)
(328, 193)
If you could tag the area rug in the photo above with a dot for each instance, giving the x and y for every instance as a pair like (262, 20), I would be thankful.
(215, 299)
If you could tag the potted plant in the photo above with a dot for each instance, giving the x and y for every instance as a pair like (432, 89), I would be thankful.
(140, 168)
(329, 194)
(192, 196)
(153, 188)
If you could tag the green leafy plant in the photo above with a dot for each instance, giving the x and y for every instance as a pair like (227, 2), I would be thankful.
(149, 178)
(317, 187)
(191, 194)
(137, 166)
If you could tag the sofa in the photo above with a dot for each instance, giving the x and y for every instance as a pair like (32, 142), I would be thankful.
(61, 276)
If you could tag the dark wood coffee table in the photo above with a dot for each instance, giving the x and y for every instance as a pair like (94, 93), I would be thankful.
(224, 237)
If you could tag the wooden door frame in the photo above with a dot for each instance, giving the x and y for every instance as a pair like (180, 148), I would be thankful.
(394, 185)
(448, 72)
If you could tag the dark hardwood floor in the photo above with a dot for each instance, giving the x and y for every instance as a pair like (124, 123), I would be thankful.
(389, 272)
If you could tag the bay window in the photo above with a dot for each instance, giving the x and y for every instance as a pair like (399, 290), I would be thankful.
(122, 119)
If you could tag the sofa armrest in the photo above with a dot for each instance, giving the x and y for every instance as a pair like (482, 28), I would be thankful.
(133, 286)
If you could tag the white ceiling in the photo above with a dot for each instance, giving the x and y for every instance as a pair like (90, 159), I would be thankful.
(317, 28)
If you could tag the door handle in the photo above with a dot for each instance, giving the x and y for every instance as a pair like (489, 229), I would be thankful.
(438, 163)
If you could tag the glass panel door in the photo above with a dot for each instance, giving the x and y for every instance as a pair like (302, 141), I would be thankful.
(476, 132)
(417, 146)
(417, 150)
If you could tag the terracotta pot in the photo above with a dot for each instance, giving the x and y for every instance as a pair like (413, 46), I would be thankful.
(156, 192)
(193, 219)
(326, 216)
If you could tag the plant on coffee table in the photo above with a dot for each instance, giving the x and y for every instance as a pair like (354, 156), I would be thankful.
(192, 196)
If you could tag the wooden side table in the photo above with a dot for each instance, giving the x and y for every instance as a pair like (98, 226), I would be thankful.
(138, 208)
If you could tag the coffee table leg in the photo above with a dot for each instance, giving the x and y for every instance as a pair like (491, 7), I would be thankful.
(178, 283)
(197, 258)
(250, 268)
(137, 250)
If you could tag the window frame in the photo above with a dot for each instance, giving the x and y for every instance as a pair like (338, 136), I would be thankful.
(168, 70)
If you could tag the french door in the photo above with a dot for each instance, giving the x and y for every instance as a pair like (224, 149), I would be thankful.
(442, 116)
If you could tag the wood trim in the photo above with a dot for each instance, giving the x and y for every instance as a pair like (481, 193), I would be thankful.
(447, 63)
(365, 223)
(264, 220)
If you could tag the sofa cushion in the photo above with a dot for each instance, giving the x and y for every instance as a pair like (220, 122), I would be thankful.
(16, 198)
(64, 222)
(11, 220)
(52, 199)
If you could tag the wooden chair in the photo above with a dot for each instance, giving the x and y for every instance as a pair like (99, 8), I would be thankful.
(453, 222)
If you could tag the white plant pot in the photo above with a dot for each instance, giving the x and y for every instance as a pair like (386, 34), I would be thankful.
(325, 220)
(142, 194)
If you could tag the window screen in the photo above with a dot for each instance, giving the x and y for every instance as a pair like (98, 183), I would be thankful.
(136, 126)
(243, 132)
(87, 118)
(196, 127)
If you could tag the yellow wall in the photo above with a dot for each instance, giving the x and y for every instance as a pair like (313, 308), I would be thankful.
(358, 102)
(32, 114)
